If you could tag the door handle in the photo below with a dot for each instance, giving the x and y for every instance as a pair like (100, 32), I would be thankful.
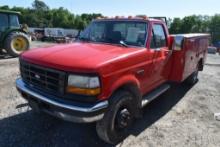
(140, 72)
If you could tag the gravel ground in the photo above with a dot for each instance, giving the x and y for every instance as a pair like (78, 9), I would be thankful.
(181, 117)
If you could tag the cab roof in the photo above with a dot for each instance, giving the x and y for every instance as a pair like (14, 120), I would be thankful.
(141, 19)
(9, 12)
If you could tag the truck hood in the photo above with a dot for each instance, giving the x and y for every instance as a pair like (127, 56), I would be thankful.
(77, 56)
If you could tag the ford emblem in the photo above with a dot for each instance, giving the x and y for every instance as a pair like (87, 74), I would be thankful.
(37, 76)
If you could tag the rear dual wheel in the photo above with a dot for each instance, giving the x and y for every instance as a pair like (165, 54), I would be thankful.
(16, 43)
(193, 78)
(116, 123)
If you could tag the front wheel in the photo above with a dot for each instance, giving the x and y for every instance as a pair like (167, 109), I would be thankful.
(116, 123)
(16, 43)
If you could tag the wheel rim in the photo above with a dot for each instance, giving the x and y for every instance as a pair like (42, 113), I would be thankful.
(19, 44)
(123, 119)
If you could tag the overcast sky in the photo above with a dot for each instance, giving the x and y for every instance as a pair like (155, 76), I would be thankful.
(168, 8)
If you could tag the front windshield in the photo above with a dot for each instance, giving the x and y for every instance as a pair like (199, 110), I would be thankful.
(131, 33)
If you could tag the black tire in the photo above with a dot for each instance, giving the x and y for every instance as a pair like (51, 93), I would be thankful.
(192, 79)
(112, 128)
(9, 46)
(1, 52)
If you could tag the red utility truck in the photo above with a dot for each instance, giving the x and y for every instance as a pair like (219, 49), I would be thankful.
(115, 68)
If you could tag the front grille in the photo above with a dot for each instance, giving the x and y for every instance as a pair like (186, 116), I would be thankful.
(46, 79)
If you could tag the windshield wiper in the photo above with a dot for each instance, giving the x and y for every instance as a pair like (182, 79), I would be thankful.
(123, 43)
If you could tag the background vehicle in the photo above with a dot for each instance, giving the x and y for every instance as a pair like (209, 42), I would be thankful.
(117, 67)
(212, 50)
(13, 38)
(217, 45)
(58, 35)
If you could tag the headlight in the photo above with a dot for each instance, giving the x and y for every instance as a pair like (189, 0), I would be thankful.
(83, 81)
(83, 85)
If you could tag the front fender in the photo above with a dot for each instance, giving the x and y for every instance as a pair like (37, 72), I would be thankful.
(128, 79)
(118, 83)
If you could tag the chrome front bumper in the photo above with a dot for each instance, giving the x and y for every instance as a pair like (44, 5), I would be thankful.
(67, 111)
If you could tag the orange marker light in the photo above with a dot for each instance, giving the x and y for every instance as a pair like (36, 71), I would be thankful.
(145, 17)
(83, 91)
(129, 17)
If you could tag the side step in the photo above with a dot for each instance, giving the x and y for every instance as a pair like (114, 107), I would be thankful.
(154, 94)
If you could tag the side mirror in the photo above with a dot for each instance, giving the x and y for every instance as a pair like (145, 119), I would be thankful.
(177, 44)
(170, 42)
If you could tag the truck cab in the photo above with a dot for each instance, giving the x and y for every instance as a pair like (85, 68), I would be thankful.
(9, 20)
(115, 68)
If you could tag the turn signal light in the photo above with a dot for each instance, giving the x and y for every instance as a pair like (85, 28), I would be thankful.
(83, 91)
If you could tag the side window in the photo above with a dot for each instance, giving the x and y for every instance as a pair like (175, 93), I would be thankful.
(3, 22)
(158, 37)
(14, 21)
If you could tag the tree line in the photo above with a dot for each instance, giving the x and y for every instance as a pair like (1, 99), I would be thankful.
(197, 24)
(40, 15)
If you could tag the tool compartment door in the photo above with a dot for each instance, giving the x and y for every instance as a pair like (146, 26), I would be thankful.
(191, 49)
